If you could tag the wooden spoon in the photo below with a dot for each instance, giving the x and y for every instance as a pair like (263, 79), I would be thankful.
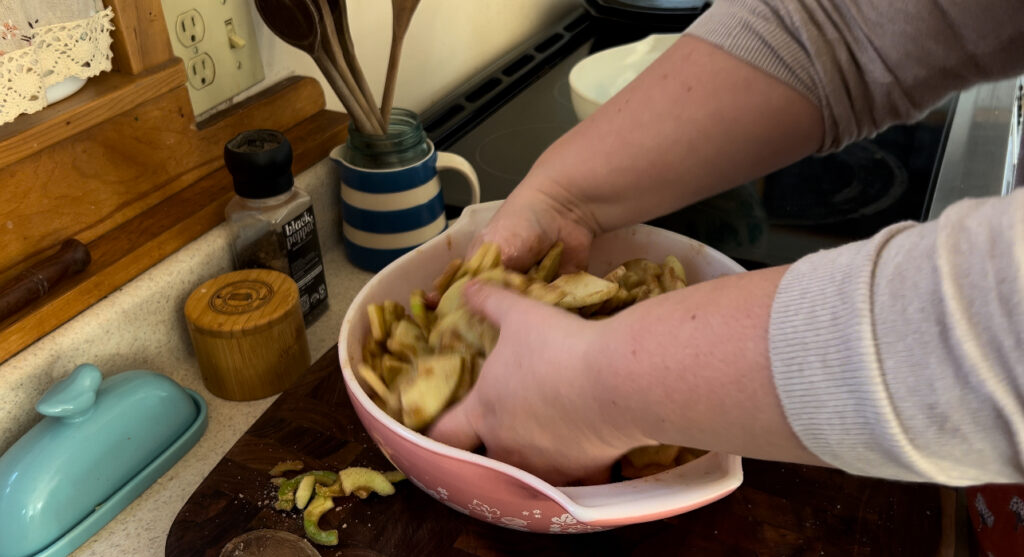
(297, 23)
(401, 15)
(335, 51)
(339, 12)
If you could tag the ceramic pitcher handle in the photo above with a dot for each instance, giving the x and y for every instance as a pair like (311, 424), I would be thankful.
(451, 161)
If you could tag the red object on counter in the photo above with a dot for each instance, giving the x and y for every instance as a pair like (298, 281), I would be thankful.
(997, 516)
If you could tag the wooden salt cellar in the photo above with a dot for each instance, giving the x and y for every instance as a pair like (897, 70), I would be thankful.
(247, 330)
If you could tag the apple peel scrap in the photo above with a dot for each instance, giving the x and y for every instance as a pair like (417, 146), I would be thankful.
(313, 492)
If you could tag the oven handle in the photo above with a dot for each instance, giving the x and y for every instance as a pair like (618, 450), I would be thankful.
(981, 151)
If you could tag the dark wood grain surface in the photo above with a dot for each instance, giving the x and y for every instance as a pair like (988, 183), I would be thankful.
(780, 509)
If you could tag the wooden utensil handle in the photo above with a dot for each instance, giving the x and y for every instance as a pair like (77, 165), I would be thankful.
(348, 50)
(401, 15)
(335, 52)
(388, 98)
(363, 122)
(32, 284)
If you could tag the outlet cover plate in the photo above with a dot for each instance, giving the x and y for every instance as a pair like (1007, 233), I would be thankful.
(217, 32)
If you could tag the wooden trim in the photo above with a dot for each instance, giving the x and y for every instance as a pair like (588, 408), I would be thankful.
(144, 68)
(103, 97)
(141, 39)
(96, 180)
(133, 247)
(123, 166)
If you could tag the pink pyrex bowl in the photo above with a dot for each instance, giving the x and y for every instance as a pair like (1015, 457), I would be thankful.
(496, 492)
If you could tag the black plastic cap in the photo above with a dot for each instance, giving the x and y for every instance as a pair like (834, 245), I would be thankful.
(260, 163)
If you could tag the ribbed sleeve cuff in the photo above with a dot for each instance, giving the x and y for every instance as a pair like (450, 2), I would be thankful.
(755, 33)
(826, 366)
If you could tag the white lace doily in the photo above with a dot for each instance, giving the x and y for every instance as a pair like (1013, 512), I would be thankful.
(54, 53)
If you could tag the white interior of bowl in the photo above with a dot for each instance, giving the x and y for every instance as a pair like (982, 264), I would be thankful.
(705, 479)
(598, 77)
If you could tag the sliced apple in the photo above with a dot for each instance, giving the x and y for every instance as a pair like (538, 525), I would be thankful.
(407, 340)
(544, 292)
(369, 377)
(427, 391)
(304, 491)
(583, 289)
(452, 298)
(378, 323)
(648, 460)
(673, 277)
(359, 481)
(547, 268)
(447, 277)
(311, 521)
(393, 369)
(642, 267)
(463, 330)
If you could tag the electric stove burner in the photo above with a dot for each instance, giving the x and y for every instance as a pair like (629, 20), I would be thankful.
(857, 182)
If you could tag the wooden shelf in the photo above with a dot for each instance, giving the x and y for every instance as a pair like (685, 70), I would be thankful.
(102, 97)
(123, 166)
(130, 249)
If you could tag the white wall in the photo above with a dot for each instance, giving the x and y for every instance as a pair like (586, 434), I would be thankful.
(448, 42)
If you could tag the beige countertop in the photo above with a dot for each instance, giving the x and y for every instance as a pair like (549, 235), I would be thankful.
(142, 326)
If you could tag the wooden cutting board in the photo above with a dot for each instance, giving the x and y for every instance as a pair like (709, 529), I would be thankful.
(780, 509)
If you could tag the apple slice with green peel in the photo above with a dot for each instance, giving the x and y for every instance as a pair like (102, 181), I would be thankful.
(359, 481)
(311, 521)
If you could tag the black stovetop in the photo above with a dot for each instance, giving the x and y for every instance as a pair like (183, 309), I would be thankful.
(503, 120)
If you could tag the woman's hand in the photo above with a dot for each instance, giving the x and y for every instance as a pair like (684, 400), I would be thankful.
(536, 405)
(530, 221)
(563, 397)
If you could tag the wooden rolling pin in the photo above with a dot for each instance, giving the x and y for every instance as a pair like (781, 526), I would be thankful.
(33, 283)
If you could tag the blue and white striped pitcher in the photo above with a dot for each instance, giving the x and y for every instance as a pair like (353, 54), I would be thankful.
(391, 197)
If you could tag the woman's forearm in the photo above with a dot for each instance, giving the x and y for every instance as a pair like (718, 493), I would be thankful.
(692, 368)
(688, 127)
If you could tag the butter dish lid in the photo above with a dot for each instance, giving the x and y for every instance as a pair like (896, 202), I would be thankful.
(101, 443)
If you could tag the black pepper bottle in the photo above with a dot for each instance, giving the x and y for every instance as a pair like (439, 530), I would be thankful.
(272, 223)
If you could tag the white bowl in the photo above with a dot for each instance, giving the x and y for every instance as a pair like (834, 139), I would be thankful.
(496, 492)
(63, 89)
(598, 77)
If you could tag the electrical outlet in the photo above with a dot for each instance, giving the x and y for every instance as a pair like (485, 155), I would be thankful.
(217, 41)
(190, 27)
(201, 71)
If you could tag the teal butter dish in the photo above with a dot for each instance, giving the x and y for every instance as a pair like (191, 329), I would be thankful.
(101, 443)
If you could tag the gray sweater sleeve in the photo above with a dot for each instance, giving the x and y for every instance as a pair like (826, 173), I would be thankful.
(901, 356)
(870, 63)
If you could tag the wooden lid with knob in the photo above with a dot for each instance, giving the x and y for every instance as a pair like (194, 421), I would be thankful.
(248, 333)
